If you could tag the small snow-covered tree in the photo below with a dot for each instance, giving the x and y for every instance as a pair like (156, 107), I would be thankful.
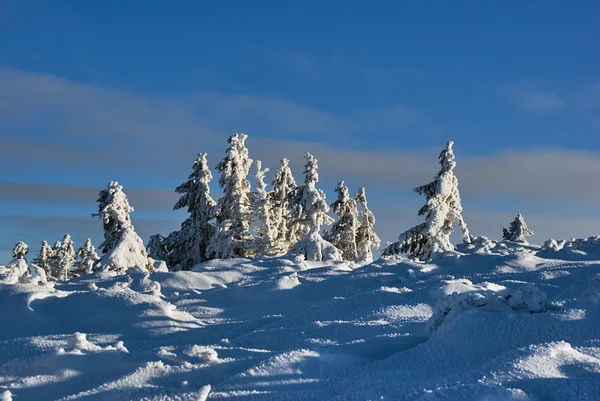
(86, 258)
(53, 260)
(44, 257)
(283, 188)
(122, 247)
(233, 215)
(65, 259)
(195, 233)
(310, 212)
(20, 250)
(343, 232)
(366, 238)
(261, 208)
(517, 231)
(442, 210)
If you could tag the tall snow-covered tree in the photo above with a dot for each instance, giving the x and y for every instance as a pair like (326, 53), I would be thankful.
(261, 208)
(517, 231)
(122, 247)
(233, 215)
(442, 210)
(156, 248)
(65, 259)
(310, 212)
(195, 233)
(86, 258)
(44, 257)
(283, 188)
(343, 232)
(20, 250)
(366, 238)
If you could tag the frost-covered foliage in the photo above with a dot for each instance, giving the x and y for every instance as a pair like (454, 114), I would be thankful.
(157, 248)
(54, 258)
(65, 259)
(554, 245)
(517, 231)
(481, 244)
(197, 230)
(310, 212)
(366, 238)
(114, 210)
(122, 247)
(442, 210)
(20, 250)
(487, 297)
(283, 188)
(261, 208)
(86, 258)
(233, 214)
(44, 257)
(343, 232)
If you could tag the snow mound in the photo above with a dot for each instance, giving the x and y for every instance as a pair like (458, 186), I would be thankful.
(79, 344)
(129, 252)
(205, 353)
(488, 297)
(574, 249)
(313, 247)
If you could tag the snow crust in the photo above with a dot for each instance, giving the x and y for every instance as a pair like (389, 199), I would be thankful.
(495, 322)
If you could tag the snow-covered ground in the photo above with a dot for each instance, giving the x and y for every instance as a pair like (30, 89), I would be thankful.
(500, 322)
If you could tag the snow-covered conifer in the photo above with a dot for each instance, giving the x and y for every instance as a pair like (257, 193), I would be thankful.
(517, 231)
(44, 257)
(156, 248)
(53, 260)
(261, 208)
(65, 259)
(197, 231)
(122, 247)
(366, 238)
(86, 258)
(232, 213)
(310, 212)
(343, 232)
(20, 250)
(442, 210)
(283, 188)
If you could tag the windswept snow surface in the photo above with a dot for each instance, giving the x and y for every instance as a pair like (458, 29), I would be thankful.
(514, 323)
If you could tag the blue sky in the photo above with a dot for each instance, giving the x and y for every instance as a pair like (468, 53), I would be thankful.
(131, 90)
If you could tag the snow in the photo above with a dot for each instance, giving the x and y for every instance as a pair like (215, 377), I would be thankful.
(494, 322)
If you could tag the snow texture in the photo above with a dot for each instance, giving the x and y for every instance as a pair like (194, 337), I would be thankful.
(516, 323)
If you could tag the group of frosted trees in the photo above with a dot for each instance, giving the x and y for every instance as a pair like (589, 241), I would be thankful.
(288, 218)
(59, 262)
(248, 223)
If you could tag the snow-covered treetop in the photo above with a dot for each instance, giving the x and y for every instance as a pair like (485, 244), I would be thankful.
(311, 170)
(260, 185)
(517, 231)
(195, 192)
(361, 197)
(113, 209)
(20, 250)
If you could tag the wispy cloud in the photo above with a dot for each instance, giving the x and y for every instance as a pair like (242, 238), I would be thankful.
(527, 98)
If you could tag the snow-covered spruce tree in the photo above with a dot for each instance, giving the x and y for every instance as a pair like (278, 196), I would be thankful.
(442, 210)
(156, 248)
(517, 231)
(86, 258)
(20, 250)
(283, 188)
(310, 212)
(122, 247)
(44, 257)
(195, 233)
(53, 260)
(366, 238)
(343, 232)
(233, 216)
(65, 259)
(261, 209)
